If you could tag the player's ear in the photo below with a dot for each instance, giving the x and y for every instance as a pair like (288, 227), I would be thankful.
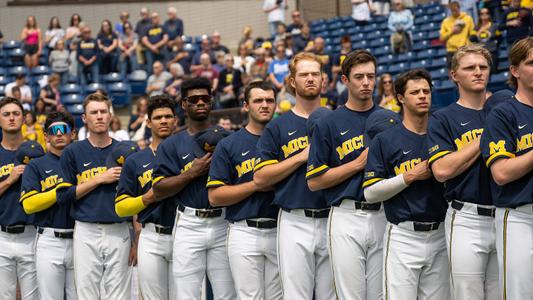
(401, 98)
(246, 106)
(344, 79)
(149, 123)
(84, 118)
(514, 71)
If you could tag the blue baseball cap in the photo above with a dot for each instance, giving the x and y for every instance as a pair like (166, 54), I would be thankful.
(207, 140)
(312, 120)
(379, 121)
(498, 98)
(28, 151)
(119, 154)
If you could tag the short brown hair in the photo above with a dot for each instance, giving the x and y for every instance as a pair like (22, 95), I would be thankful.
(519, 53)
(470, 49)
(96, 98)
(400, 84)
(9, 100)
(357, 57)
(292, 66)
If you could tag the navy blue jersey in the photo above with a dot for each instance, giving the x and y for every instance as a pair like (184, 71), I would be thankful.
(42, 175)
(11, 212)
(155, 34)
(450, 129)
(283, 138)
(106, 39)
(136, 180)
(174, 156)
(81, 162)
(337, 140)
(87, 48)
(394, 152)
(509, 133)
(233, 163)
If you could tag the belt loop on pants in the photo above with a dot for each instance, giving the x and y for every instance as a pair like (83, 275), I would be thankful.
(309, 212)
(61, 234)
(482, 210)
(201, 212)
(419, 226)
(14, 229)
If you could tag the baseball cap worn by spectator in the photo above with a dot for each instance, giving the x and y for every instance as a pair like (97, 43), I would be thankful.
(313, 119)
(207, 140)
(378, 122)
(119, 154)
(28, 151)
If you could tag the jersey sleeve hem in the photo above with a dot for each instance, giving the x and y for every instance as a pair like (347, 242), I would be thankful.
(121, 197)
(265, 163)
(370, 182)
(317, 171)
(438, 156)
(214, 183)
(157, 179)
(64, 185)
(27, 195)
(494, 157)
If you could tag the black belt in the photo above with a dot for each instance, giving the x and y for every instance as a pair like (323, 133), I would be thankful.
(58, 234)
(418, 226)
(262, 224)
(310, 213)
(203, 213)
(482, 211)
(160, 229)
(15, 229)
(367, 206)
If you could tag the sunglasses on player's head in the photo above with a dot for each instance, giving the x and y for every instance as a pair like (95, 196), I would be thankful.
(196, 98)
(58, 129)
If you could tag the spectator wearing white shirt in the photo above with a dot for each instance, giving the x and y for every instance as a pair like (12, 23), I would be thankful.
(25, 91)
(116, 132)
(54, 33)
(275, 10)
(158, 80)
(361, 11)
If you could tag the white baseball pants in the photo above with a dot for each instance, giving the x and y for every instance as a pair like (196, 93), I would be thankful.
(253, 261)
(55, 267)
(415, 264)
(17, 261)
(101, 254)
(303, 257)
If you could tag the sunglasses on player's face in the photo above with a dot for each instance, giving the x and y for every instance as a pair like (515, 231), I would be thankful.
(196, 98)
(59, 129)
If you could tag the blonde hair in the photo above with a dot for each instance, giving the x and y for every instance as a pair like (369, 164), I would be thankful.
(470, 49)
(96, 97)
(519, 53)
(294, 62)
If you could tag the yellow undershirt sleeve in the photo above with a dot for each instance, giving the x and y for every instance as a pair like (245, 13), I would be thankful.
(129, 206)
(39, 202)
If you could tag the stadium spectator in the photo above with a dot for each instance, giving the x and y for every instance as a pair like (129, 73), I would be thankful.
(32, 40)
(382, 7)
(275, 14)
(87, 57)
(180, 55)
(59, 61)
(336, 64)
(318, 47)
(1, 38)
(155, 42)
(206, 70)
(455, 30)
(50, 94)
(518, 22)
(229, 84)
(246, 38)
(158, 80)
(31, 130)
(386, 96)
(488, 34)
(40, 111)
(74, 30)
(127, 43)
(138, 118)
(289, 44)
(173, 27)
(73, 59)
(225, 122)
(25, 90)
(328, 97)
(400, 23)
(295, 28)
(124, 18)
(205, 47)
(220, 61)
(54, 33)
(243, 61)
(108, 48)
(259, 68)
(361, 11)
(302, 40)
(15, 93)
(278, 69)
(116, 132)
(215, 43)
(141, 28)
(173, 84)
(281, 33)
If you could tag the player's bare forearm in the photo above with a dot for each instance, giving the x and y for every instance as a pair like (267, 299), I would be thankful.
(272, 174)
(170, 186)
(85, 188)
(455, 163)
(506, 170)
(338, 175)
(230, 194)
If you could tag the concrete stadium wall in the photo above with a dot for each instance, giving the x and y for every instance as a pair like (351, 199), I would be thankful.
(200, 17)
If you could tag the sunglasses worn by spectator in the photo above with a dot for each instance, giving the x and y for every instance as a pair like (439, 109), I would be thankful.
(59, 129)
(387, 81)
(196, 98)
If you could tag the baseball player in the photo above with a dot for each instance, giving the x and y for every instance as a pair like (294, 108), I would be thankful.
(506, 146)
(415, 264)
(135, 196)
(282, 156)
(453, 137)
(252, 234)
(17, 234)
(200, 230)
(53, 250)
(101, 240)
(336, 165)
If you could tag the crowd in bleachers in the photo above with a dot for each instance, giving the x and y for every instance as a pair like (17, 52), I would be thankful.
(55, 68)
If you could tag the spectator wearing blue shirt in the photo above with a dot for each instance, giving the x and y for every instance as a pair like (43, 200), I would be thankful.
(205, 47)
(400, 23)
(180, 55)
(279, 67)
(108, 46)
(155, 41)
(87, 56)
(141, 28)
(173, 27)
(518, 21)
(124, 18)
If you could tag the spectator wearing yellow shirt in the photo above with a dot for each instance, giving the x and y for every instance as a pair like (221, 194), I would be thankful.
(31, 130)
(455, 30)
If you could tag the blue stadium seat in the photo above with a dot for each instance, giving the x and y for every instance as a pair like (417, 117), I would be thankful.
(379, 19)
(434, 10)
(433, 35)
(386, 60)
(70, 88)
(409, 56)
(429, 27)
(502, 54)
(40, 70)
(71, 99)
(76, 109)
(5, 80)
(137, 81)
(38, 79)
(440, 74)
(385, 49)
(441, 52)
(503, 66)
(362, 44)
(445, 94)
(3, 72)
(357, 37)
(2, 90)
(419, 11)
(13, 44)
(347, 24)
(498, 81)
(186, 39)
(421, 45)
(113, 77)
(376, 34)
(377, 43)
(15, 57)
(120, 94)
(419, 36)
(398, 68)
(73, 79)
(14, 71)
(438, 17)
(438, 63)
(420, 63)
(422, 19)
(91, 88)
(425, 54)
(382, 69)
